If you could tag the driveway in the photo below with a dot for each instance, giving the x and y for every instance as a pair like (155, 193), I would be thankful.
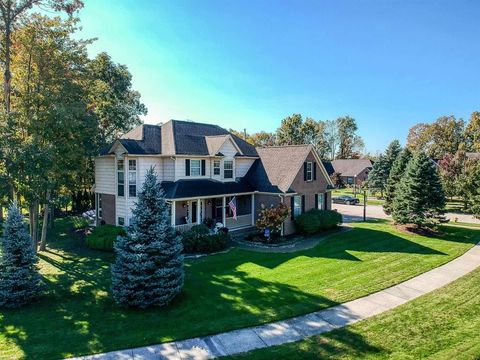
(352, 213)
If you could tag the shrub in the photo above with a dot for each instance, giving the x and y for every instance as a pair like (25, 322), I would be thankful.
(199, 240)
(272, 218)
(316, 220)
(102, 237)
(79, 223)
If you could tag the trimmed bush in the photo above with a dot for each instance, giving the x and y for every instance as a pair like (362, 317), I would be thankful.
(316, 220)
(103, 237)
(199, 240)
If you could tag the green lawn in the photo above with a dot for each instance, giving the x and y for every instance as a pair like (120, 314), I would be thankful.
(222, 292)
(371, 200)
(441, 325)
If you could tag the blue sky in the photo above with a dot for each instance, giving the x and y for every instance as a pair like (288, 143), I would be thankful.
(248, 64)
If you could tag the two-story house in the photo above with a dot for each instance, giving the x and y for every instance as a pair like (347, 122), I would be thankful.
(201, 168)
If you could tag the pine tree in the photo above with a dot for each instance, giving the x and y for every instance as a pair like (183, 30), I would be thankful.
(148, 270)
(396, 174)
(420, 198)
(392, 152)
(379, 174)
(19, 278)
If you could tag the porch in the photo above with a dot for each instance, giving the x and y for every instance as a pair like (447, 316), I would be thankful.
(189, 212)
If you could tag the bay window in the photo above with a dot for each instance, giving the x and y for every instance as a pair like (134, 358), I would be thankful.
(132, 178)
(120, 178)
(228, 169)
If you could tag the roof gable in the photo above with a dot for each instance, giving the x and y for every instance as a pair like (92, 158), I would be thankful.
(351, 167)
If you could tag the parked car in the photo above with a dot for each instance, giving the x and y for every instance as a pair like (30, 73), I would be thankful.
(345, 199)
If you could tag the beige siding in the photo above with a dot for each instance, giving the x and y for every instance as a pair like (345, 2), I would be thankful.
(242, 166)
(168, 169)
(228, 149)
(105, 175)
(144, 163)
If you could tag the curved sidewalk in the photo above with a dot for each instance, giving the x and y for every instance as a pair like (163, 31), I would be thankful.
(280, 332)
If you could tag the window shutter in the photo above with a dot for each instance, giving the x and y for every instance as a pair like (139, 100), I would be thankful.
(303, 204)
(314, 171)
(325, 196)
(203, 167)
(316, 201)
(187, 167)
(304, 171)
(292, 208)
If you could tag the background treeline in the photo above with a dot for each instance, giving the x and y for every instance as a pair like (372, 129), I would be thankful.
(60, 107)
(332, 138)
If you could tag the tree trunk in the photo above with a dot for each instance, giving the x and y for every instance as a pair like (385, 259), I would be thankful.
(35, 224)
(1, 213)
(46, 210)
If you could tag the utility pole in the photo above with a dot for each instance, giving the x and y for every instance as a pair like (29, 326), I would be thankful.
(364, 205)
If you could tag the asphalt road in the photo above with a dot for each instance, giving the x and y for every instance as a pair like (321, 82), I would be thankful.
(353, 213)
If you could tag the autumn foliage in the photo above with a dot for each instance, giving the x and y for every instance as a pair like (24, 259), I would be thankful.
(273, 217)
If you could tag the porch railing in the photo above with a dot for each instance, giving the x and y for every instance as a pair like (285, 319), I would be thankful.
(242, 221)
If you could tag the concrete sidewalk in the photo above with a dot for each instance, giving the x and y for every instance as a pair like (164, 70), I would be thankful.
(280, 332)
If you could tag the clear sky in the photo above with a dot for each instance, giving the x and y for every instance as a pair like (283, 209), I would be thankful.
(248, 64)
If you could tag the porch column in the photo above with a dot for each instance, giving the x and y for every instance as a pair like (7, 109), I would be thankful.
(253, 209)
(224, 211)
(199, 221)
(172, 212)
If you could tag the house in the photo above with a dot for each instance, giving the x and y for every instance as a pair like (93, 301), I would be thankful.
(353, 171)
(201, 168)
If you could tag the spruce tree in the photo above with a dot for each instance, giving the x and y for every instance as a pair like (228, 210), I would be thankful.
(20, 281)
(378, 176)
(148, 270)
(396, 174)
(420, 198)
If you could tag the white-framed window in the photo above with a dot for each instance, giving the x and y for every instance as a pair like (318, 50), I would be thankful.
(216, 167)
(120, 178)
(309, 171)
(321, 201)
(228, 169)
(99, 206)
(132, 178)
(195, 167)
(121, 221)
(297, 206)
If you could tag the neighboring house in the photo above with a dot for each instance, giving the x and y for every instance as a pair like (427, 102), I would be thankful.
(353, 171)
(201, 168)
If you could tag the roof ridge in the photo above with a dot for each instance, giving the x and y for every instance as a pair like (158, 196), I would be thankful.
(283, 146)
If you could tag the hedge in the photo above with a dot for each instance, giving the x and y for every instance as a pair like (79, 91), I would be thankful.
(315, 220)
(102, 237)
(199, 240)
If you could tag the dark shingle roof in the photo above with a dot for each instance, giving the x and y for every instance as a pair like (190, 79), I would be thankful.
(177, 137)
(190, 136)
(351, 167)
(188, 188)
(328, 166)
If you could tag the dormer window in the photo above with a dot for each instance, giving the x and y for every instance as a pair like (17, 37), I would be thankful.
(228, 169)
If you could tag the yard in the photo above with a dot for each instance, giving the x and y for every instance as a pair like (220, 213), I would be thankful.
(371, 200)
(222, 292)
(440, 325)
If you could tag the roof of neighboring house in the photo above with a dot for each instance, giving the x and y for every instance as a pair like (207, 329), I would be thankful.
(188, 188)
(178, 137)
(473, 155)
(351, 167)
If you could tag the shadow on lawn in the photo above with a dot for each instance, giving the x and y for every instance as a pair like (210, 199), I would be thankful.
(77, 315)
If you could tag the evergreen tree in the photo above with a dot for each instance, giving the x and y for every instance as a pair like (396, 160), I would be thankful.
(420, 198)
(377, 178)
(392, 152)
(396, 173)
(149, 265)
(19, 278)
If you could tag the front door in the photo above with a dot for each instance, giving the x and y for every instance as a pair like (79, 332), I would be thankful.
(194, 212)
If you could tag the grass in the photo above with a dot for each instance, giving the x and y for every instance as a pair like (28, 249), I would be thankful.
(240, 288)
(441, 325)
(349, 191)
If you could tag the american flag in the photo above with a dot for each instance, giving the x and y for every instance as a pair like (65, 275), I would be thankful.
(233, 207)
